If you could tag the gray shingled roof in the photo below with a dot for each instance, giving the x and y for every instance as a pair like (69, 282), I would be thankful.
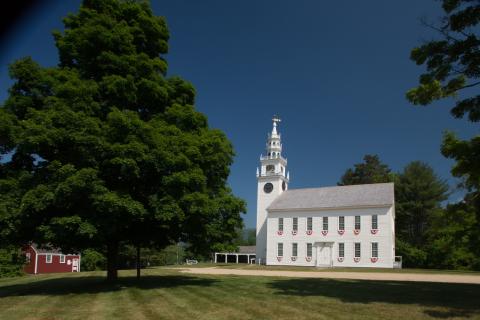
(246, 249)
(377, 194)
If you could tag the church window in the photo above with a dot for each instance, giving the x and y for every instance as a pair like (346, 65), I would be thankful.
(374, 249)
(295, 224)
(270, 168)
(294, 249)
(357, 250)
(357, 222)
(309, 249)
(280, 224)
(325, 223)
(341, 250)
(280, 249)
(341, 223)
(309, 224)
(374, 222)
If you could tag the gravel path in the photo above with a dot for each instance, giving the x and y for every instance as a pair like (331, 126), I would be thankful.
(383, 276)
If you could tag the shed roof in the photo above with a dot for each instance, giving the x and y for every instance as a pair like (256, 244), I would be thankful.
(363, 195)
(246, 249)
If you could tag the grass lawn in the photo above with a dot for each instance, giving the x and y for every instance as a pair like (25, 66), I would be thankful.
(290, 268)
(168, 294)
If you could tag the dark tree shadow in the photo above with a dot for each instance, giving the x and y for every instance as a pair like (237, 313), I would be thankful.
(461, 300)
(97, 284)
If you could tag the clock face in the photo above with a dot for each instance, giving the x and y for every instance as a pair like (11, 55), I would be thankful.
(284, 186)
(268, 187)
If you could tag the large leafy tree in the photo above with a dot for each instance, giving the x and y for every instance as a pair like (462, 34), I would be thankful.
(453, 70)
(107, 149)
(372, 170)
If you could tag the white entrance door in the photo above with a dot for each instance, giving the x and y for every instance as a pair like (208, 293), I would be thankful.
(75, 265)
(324, 255)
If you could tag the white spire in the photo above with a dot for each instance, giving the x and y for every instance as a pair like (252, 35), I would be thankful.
(258, 173)
(275, 120)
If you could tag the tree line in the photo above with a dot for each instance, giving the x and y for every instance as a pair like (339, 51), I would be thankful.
(429, 234)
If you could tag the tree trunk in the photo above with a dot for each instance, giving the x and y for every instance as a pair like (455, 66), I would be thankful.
(112, 257)
(138, 262)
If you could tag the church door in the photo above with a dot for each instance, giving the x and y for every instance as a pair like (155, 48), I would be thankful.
(324, 255)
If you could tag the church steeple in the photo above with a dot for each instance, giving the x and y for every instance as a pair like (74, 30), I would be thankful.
(274, 143)
(273, 162)
(272, 181)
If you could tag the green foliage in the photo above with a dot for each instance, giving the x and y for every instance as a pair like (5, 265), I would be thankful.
(419, 193)
(412, 257)
(453, 65)
(167, 256)
(466, 154)
(11, 262)
(454, 238)
(107, 150)
(150, 257)
(246, 237)
(371, 171)
(92, 260)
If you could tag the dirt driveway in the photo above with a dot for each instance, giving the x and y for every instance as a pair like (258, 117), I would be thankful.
(382, 276)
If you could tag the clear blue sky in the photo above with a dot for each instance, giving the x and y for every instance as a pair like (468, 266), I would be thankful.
(335, 71)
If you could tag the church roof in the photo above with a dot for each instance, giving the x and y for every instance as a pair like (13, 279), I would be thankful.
(363, 195)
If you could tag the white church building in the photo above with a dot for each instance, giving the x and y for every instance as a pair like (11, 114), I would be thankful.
(340, 226)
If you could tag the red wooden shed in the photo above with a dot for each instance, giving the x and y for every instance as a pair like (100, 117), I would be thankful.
(41, 260)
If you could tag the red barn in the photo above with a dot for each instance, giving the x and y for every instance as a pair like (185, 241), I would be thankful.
(50, 260)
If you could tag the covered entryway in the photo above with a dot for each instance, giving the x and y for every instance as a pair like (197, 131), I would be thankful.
(324, 254)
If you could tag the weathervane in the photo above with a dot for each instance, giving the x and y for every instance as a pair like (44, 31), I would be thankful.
(276, 119)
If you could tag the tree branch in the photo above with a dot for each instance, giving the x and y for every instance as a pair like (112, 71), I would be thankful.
(469, 85)
(442, 30)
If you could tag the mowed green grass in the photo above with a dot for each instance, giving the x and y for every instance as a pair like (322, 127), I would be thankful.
(169, 294)
(315, 269)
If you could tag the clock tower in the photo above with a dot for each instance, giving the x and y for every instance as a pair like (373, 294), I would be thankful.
(272, 181)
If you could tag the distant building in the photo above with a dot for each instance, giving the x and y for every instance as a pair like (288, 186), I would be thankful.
(244, 254)
(340, 226)
(49, 260)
